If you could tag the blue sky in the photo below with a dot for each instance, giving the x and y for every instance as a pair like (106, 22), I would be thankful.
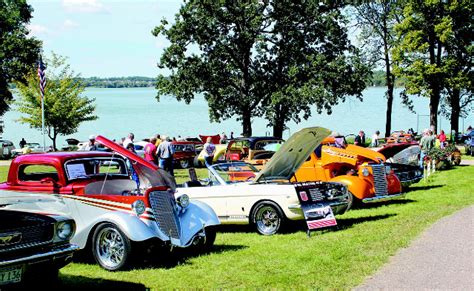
(103, 38)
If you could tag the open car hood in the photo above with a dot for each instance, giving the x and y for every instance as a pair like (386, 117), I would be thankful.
(292, 154)
(150, 174)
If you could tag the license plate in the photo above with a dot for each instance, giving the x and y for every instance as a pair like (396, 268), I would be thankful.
(8, 276)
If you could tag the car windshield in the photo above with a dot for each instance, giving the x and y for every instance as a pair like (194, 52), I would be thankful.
(90, 167)
(268, 145)
(235, 172)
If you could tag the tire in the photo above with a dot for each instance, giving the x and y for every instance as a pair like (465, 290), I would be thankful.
(111, 247)
(353, 201)
(204, 245)
(184, 164)
(267, 218)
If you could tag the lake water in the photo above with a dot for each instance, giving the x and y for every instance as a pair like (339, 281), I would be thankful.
(136, 110)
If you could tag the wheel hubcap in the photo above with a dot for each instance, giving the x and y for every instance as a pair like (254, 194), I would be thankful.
(268, 220)
(110, 247)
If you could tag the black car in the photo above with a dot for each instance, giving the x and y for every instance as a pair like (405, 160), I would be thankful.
(33, 247)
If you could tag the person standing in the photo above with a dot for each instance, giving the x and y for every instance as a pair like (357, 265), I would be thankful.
(22, 142)
(442, 139)
(209, 151)
(128, 140)
(223, 138)
(150, 150)
(427, 143)
(360, 139)
(375, 139)
(90, 146)
(165, 153)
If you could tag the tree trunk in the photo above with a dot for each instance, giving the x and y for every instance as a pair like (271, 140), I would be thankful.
(278, 127)
(455, 111)
(389, 78)
(246, 124)
(434, 103)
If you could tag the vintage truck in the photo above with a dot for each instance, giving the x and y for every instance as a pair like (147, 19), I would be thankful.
(122, 204)
(364, 171)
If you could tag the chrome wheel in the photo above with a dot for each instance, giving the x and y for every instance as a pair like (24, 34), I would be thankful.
(267, 219)
(111, 247)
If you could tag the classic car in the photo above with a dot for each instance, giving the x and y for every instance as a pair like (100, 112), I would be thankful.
(267, 200)
(33, 247)
(399, 136)
(6, 148)
(184, 153)
(404, 160)
(255, 150)
(122, 204)
(30, 147)
(219, 156)
(364, 171)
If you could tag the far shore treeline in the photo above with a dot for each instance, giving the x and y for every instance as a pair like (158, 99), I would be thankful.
(377, 80)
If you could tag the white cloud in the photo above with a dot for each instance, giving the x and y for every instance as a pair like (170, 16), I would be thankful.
(69, 24)
(85, 6)
(36, 29)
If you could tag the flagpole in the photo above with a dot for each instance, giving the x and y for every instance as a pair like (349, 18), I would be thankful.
(42, 79)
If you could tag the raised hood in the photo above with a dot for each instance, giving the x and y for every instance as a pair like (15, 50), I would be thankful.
(148, 172)
(292, 154)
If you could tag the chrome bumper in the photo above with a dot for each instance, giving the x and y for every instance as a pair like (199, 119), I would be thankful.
(383, 198)
(61, 253)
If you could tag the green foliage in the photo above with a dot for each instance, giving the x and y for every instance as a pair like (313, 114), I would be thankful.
(254, 58)
(118, 82)
(434, 36)
(18, 51)
(65, 107)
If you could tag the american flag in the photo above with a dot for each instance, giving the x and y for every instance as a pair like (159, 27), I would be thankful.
(42, 76)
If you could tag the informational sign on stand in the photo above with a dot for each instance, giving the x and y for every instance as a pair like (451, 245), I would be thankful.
(316, 213)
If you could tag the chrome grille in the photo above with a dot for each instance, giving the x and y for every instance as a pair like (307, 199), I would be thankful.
(35, 235)
(163, 205)
(380, 181)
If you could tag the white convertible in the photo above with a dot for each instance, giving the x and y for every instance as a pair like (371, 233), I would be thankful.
(267, 199)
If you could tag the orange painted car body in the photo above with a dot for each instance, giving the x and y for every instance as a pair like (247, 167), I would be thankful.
(346, 165)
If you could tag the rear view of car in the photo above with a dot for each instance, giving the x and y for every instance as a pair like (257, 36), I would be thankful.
(33, 247)
(6, 149)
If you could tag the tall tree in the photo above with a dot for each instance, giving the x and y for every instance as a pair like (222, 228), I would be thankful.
(212, 52)
(308, 62)
(458, 92)
(18, 51)
(419, 56)
(259, 58)
(65, 107)
(376, 20)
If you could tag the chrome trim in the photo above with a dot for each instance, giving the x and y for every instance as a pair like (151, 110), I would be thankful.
(64, 251)
(165, 213)
(380, 180)
(383, 198)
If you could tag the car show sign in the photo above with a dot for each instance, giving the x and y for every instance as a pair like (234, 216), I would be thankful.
(316, 213)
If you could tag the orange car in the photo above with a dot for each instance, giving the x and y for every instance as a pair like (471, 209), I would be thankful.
(363, 170)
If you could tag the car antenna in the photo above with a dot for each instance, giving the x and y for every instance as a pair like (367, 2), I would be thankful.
(107, 173)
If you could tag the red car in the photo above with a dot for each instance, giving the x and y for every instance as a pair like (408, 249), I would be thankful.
(122, 204)
(184, 152)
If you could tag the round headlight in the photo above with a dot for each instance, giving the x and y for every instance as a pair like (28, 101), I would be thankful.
(64, 230)
(365, 172)
(183, 200)
(138, 207)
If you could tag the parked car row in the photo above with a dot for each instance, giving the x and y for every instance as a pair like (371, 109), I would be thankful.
(116, 205)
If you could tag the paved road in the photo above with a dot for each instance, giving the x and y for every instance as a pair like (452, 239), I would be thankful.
(442, 258)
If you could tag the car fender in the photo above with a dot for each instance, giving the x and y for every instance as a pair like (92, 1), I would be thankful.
(134, 228)
(357, 186)
(195, 217)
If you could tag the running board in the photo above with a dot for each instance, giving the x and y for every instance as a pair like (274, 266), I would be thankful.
(383, 198)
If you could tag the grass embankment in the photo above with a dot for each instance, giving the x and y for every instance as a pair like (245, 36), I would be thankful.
(336, 258)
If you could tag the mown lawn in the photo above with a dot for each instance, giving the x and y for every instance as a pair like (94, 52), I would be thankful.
(336, 258)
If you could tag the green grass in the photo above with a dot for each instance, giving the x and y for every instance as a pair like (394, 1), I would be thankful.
(336, 258)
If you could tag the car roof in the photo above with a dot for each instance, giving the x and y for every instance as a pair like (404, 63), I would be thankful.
(61, 156)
